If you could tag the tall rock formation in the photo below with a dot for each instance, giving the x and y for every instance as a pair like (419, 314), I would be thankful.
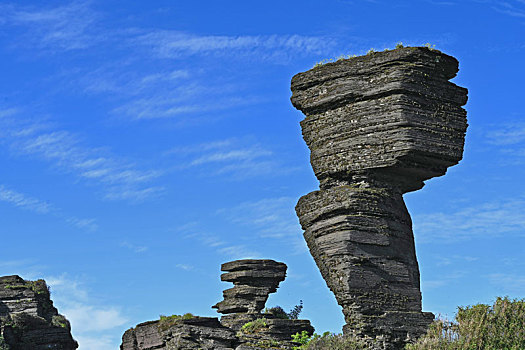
(28, 319)
(377, 126)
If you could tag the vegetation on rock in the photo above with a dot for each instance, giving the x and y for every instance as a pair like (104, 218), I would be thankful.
(327, 341)
(500, 326)
(166, 322)
(254, 326)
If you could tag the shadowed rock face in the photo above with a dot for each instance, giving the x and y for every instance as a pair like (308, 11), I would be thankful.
(28, 319)
(377, 127)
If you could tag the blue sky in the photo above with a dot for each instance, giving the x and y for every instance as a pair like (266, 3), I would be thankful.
(142, 144)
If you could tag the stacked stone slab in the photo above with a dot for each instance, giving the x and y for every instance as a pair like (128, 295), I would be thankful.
(28, 319)
(193, 333)
(253, 281)
(377, 126)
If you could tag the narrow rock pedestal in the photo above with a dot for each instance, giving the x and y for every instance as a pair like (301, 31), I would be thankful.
(377, 126)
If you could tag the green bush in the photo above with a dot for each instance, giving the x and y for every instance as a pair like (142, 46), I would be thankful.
(500, 326)
(166, 322)
(254, 326)
(327, 341)
(278, 312)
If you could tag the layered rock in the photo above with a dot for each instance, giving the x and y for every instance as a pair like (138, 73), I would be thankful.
(253, 281)
(174, 334)
(28, 319)
(377, 126)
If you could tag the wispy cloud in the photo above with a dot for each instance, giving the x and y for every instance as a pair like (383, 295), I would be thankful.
(121, 180)
(239, 159)
(508, 283)
(509, 134)
(41, 207)
(133, 247)
(65, 27)
(493, 219)
(192, 230)
(91, 323)
(20, 200)
(176, 44)
(269, 218)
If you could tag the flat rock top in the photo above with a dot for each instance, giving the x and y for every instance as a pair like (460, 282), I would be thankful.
(253, 265)
(421, 56)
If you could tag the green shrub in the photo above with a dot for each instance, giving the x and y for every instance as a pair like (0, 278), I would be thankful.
(166, 322)
(254, 326)
(294, 313)
(277, 312)
(399, 45)
(328, 341)
(500, 326)
(60, 321)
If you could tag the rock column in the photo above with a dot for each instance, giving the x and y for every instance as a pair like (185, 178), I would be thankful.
(377, 126)
(253, 281)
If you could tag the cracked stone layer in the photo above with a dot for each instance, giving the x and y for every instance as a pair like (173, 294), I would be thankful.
(377, 127)
(28, 319)
(394, 112)
(253, 282)
(204, 333)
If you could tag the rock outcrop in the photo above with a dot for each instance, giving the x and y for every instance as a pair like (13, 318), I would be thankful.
(253, 281)
(176, 333)
(28, 319)
(377, 126)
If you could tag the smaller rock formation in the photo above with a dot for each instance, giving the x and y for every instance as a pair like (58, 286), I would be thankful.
(243, 327)
(253, 282)
(28, 319)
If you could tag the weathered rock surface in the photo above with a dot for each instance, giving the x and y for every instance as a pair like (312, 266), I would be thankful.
(28, 319)
(194, 333)
(253, 281)
(275, 333)
(377, 127)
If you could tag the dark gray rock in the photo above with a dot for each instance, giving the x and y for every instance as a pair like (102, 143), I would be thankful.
(377, 127)
(253, 282)
(28, 319)
(193, 333)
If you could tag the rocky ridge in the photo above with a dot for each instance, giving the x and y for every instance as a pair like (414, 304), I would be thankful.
(377, 127)
(28, 319)
(242, 327)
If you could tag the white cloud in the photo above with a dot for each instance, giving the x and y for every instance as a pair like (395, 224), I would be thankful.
(508, 283)
(492, 219)
(92, 324)
(96, 343)
(23, 201)
(239, 159)
(64, 150)
(175, 44)
(271, 217)
(509, 134)
(133, 247)
(40, 207)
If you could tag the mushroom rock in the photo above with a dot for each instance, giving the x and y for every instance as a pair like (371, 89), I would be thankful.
(377, 127)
